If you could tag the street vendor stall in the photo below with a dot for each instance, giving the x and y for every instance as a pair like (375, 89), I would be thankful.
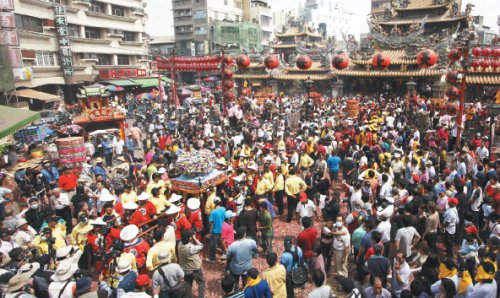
(97, 113)
(194, 172)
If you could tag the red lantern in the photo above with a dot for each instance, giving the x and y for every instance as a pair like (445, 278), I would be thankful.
(477, 51)
(228, 95)
(495, 53)
(452, 92)
(475, 64)
(304, 62)
(486, 52)
(243, 61)
(381, 61)
(271, 62)
(484, 64)
(228, 60)
(340, 61)
(228, 84)
(454, 55)
(495, 64)
(452, 77)
(228, 73)
(426, 58)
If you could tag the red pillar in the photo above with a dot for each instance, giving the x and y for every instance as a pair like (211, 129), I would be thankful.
(463, 89)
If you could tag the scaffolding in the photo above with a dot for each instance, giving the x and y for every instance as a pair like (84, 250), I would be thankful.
(237, 36)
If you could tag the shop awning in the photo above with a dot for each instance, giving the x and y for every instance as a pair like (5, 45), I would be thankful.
(121, 83)
(146, 82)
(13, 119)
(42, 96)
(165, 79)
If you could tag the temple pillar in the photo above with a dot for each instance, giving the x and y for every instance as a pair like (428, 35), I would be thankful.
(437, 90)
(338, 89)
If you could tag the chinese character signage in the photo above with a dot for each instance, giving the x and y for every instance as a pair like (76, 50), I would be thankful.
(7, 4)
(7, 20)
(65, 54)
(8, 37)
(121, 73)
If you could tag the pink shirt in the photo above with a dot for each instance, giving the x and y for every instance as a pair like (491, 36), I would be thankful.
(227, 233)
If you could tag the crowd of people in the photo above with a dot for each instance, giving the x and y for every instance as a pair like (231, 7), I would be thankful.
(368, 205)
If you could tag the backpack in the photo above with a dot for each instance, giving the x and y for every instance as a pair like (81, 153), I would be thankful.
(299, 275)
(181, 289)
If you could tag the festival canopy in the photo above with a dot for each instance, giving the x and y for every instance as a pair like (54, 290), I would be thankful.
(186, 92)
(13, 119)
(114, 88)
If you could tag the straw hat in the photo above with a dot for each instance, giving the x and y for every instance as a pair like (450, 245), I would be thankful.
(174, 198)
(97, 222)
(123, 265)
(64, 271)
(130, 206)
(18, 281)
(29, 268)
(164, 257)
(99, 160)
(106, 197)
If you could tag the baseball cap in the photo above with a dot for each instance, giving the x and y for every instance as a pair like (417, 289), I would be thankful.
(143, 280)
(472, 229)
(453, 201)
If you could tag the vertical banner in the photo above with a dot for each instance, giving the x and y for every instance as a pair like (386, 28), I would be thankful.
(65, 54)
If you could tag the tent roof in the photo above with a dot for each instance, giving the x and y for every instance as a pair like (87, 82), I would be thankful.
(122, 83)
(13, 119)
(30, 93)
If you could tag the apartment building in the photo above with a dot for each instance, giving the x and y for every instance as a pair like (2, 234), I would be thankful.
(261, 15)
(60, 44)
(196, 23)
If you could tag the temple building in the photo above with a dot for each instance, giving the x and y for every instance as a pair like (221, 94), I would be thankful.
(403, 30)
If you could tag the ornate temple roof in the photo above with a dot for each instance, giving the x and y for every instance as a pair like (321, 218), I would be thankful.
(296, 31)
(396, 56)
(420, 4)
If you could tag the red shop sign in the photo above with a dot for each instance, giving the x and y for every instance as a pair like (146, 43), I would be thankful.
(100, 114)
(121, 73)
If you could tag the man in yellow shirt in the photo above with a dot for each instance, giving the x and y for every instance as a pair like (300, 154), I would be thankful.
(275, 276)
(293, 186)
(128, 195)
(209, 203)
(160, 245)
(155, 183)
(79, 234)
(263, 186)
(41, 243)
(305, 161)
(279, 192)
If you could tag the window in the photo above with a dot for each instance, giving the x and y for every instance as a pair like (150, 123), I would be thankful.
(123, 60)
(200, 14)
(91, 32)
(28, 23)
(74, 30)
(45, 59)
(200, 30)
(128, 36)
(96, 7)
(238, 4)
(117, 11)
(103, 59)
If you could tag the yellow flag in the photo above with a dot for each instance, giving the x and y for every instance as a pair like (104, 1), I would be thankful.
(245, 84)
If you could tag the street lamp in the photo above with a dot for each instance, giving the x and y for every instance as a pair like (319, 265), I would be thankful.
(493, 111)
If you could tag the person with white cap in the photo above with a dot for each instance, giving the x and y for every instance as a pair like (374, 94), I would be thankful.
(177, 217)
(70, 254)
(146, 207)
(130, 237)
(63, 281)
(193, 214)
(24, 234)
(131, 215)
